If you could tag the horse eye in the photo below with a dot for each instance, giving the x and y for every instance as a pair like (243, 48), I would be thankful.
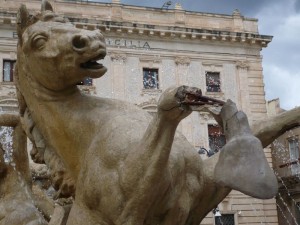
(39, 41)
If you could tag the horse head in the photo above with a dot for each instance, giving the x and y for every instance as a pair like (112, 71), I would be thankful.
(54, 53)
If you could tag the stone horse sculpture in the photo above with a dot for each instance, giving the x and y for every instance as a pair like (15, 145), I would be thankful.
(127, 167)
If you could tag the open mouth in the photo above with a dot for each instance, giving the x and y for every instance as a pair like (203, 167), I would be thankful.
(93, 63)
(198, 102)
(193, 98)
(199, 99)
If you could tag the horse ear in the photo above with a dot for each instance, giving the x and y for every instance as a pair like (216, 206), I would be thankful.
(22, 20)
(46, 6)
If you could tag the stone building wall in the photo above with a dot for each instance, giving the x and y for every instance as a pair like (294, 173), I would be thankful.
(182, 46)
(286, 164)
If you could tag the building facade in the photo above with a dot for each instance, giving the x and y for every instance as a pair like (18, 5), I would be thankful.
(286, 164)
(151, 49)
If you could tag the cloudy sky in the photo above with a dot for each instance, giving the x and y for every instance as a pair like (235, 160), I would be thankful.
(279, 18)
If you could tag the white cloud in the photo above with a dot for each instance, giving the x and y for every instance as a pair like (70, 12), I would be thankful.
(284, 84)
(281, 57)
(290, 29)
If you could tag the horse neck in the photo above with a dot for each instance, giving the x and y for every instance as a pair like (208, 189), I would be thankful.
(45, 104)
(48, 111)
(34, 93)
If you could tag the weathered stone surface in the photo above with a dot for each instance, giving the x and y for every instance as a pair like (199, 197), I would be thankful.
(242, 160)
(129, 168)
(60, 215)
(267, 131)
(16, 202)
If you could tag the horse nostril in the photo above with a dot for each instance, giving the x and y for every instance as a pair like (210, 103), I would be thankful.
(79, 42)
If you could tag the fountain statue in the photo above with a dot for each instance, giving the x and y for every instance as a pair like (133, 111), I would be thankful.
(121, 165)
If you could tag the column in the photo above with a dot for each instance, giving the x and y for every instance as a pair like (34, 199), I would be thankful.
(118, 73)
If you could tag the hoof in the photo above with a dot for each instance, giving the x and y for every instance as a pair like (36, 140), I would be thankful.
(242, 164)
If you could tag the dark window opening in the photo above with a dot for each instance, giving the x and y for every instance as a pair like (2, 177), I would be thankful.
(213, 83)
(225, 219)
(8, 70)
(216, 137)
(294, 155)
(150, 78)
(87, 81)
(15, 35)
(294, 148)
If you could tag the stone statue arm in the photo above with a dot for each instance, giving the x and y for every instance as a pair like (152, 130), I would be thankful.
(271, 128)
(146, 165)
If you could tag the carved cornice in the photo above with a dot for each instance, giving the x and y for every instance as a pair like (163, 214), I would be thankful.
(152, 92)
(212, 67)
(9, 103)
(8, 90)
(118, 57)
(209, 63)
(217, 95)
(133, 28)
(182, 60)
(242, 65)
(152, 59)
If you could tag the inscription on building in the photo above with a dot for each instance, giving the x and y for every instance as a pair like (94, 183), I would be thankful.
(127, 43)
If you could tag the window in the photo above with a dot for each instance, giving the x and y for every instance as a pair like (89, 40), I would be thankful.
(294, 148)
(15, 35)
(150, 78)
(8, 70)
(216, 138)
(225, 219)
(213, 82)
(87, 81)
(294, 154)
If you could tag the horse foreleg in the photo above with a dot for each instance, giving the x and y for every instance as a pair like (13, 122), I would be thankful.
(241, 164)
(145, 176)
